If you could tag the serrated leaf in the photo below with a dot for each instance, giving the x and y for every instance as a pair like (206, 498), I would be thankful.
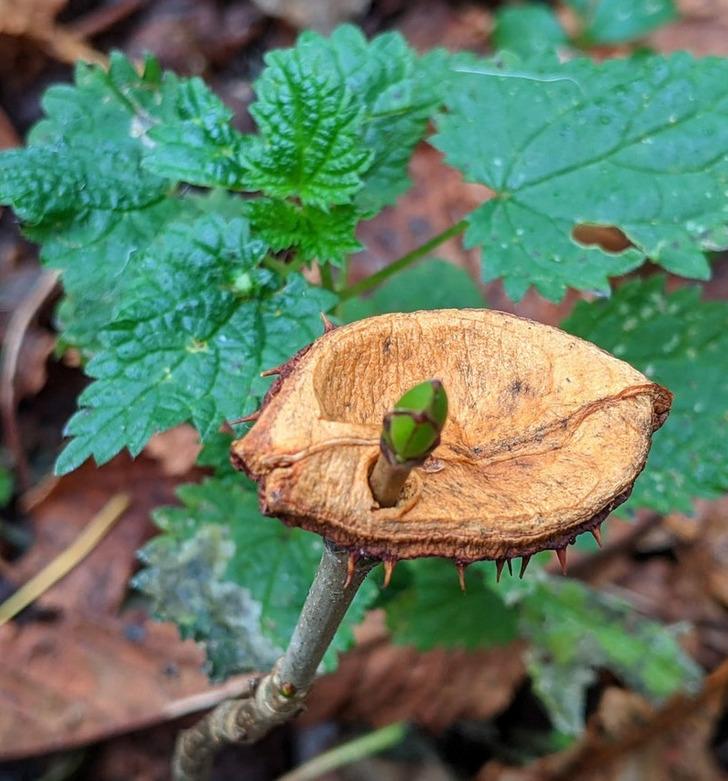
(528, 30)
(186, 345)
(640, 144)
(82, 191)
(385, 95)
(97, 255)
(271, 562)
(680, 341)
(186, 583)
(317, 234)
(199, 145)
(574, 630)
(399, 92)
(59, 181)
(310, 133)
(432, 610)
(615, 21)
(431, 284)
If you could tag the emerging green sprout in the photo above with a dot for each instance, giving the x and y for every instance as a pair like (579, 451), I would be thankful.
(412, 429)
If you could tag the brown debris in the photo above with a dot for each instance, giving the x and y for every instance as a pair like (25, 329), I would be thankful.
(176, 449)
(545, 437)
(378, 683)
(65, 680)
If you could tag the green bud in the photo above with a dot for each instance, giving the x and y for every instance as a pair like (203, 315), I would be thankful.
(412, 429)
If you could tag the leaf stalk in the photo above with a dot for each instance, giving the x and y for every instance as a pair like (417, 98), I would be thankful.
(380, 276)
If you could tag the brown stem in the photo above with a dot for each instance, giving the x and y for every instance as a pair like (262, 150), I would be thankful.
(387, 480)
(280, 694)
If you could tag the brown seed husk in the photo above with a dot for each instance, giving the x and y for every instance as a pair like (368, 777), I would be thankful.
(546, 434)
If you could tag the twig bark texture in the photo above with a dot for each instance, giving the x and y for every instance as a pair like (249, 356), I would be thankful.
(279, 695)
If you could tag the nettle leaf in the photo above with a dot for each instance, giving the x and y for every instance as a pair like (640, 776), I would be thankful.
(45, 182)
(200, 323)
(528, 30)
(199, 145)
(641, 144)
(318, 234)
(431, 284)
(574, 630)
(97, 256)
(615, 21)
(387, 92)
(399, 91)
(82, 191)
(309, 144)
(186, 582)
(244, 560)
(432, 610)
(680, 341)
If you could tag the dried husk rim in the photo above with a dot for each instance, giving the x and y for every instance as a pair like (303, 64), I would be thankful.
(545, 436)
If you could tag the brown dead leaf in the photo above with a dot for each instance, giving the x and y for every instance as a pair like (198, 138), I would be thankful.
(35, 20)
(702, 28)
(545, 435)
(674, 753)
(89, 670)
(28, 17)
(379, 683)
(176, 450)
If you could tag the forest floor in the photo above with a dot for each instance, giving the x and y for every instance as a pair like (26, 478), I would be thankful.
(90, 688)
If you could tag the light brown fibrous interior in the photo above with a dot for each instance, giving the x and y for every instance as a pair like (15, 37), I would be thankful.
(546, 433)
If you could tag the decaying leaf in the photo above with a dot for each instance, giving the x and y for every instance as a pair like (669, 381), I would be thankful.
(546, 434)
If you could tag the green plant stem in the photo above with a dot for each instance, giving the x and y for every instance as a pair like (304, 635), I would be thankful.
(283, 269)
(350, 752)
(327, 278)
(378, 277)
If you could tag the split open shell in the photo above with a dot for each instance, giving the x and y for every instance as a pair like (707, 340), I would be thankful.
(545, 436)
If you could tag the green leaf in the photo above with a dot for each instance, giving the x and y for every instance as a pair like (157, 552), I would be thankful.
(615, 21)
(412, 429)
(641, 144)
(97, 254)
(244, 560)
(310, 133)
(398, 92)
(354, 109)
(431, 284)
(199, 146)
(81, 189)
(186, 583)
(679, 341)
(528, 30)
(186, 345)
(574, 630)
(6, 486)
(432, 611)
(317, 234)
(43, 183)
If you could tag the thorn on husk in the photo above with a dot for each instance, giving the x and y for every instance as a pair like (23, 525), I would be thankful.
(246, 419)
(328, 325)
(597, 532)
(271, 372)
(499, 569)
(561, 556)
(524, 564)
(510, 567)
(461, 575)
(388, 565)
(350, 567)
